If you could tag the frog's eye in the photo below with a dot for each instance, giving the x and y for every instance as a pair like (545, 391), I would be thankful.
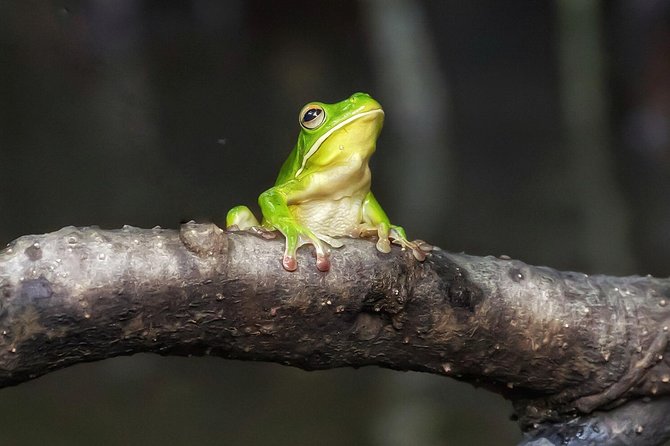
(312, 116)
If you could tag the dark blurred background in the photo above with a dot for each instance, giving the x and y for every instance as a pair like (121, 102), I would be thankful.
(540, 130)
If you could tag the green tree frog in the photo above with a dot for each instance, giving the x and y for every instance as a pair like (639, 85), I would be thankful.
(323, 188)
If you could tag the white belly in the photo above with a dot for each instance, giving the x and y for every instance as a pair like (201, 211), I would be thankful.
(335, 218)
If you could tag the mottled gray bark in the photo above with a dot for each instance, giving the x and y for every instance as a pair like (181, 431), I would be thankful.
(564, 347)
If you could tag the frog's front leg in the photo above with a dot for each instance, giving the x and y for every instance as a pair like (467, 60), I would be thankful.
(277, 214)
(376, 220)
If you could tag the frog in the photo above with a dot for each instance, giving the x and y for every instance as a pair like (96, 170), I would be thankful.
(322, 192)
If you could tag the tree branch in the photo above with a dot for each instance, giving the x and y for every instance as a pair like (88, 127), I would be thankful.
(559, 345)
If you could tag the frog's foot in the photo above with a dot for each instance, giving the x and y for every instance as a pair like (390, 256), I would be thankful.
(383, 243)
(297, 236)
(263, 232)
(381, 232)
(388, 234)
(258, 231)
(424, 245)
(419, 248)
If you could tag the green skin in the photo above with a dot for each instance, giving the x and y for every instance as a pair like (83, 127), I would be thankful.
(323, 189)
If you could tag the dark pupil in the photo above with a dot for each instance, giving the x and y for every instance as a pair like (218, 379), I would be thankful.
(310, 114)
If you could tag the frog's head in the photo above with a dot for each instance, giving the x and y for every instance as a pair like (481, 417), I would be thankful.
(330, 132)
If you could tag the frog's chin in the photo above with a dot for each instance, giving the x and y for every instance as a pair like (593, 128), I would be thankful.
(362, 120)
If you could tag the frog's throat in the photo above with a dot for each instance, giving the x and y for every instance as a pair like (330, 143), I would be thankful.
(325, 136)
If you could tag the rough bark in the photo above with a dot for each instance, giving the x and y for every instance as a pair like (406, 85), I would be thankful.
(566, 348)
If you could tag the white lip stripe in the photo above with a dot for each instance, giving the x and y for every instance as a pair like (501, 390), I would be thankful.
(325, 136)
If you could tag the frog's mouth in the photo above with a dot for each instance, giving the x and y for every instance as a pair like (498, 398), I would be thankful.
(325, 136)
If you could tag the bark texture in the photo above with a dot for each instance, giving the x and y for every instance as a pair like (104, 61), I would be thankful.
(570, 351)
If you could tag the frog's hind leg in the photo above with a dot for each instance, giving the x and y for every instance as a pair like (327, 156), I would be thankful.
(240, 218)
